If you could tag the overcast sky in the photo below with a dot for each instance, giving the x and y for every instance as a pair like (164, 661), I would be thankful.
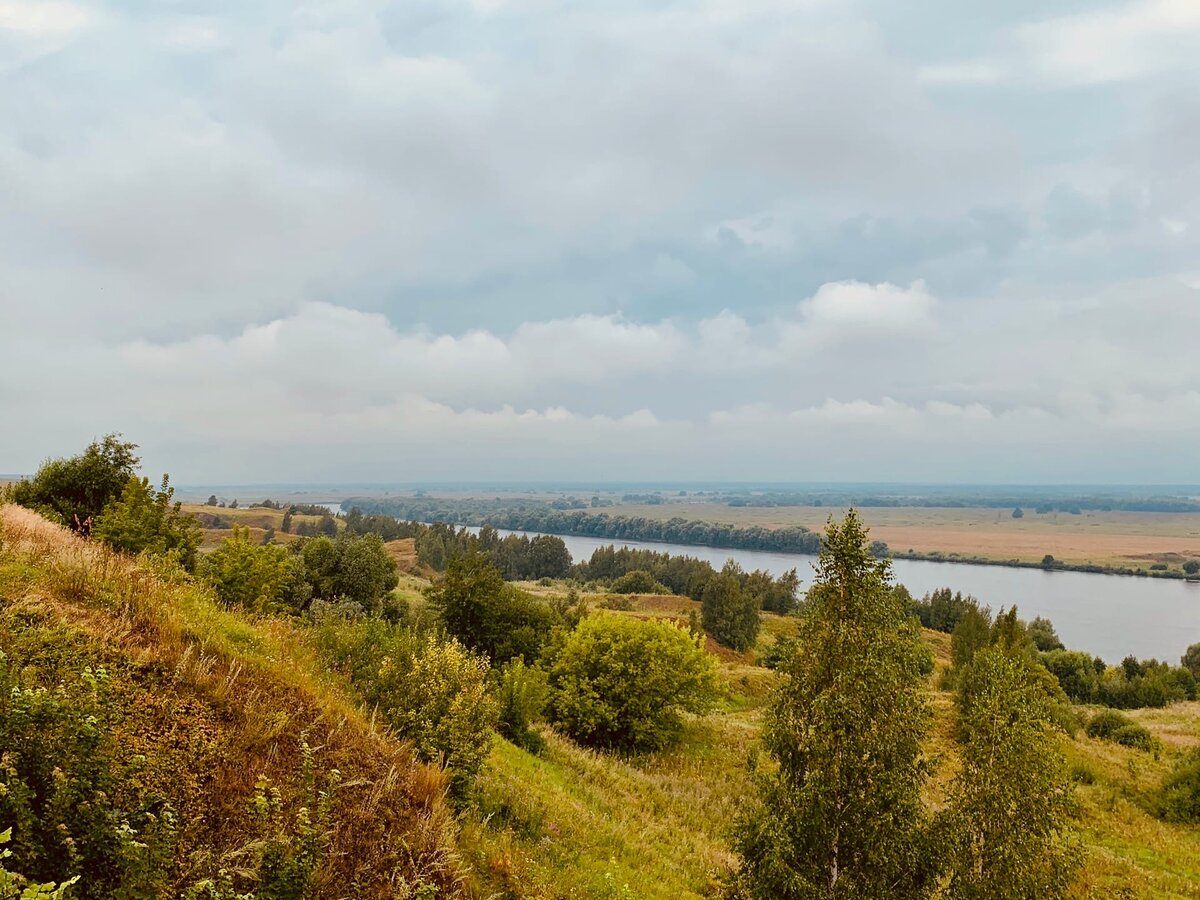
(734, 240)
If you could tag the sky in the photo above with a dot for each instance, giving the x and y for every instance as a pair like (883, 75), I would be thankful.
(731, 240)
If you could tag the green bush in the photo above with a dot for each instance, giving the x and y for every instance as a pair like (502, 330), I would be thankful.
(432, 692)
(60, 780)
(350, 567)
(264, 579)
(75, 490)
(639, 581)
(622, 683)
(145, 520)
(521, 692)
(1110, 725)
(488, 615)
(1179, 799)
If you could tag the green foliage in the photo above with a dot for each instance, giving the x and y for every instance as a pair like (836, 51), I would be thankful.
(1179, 798)
(1133, 684)
(622, 683)
(14, 886)
(60, 780)
(1110, 725)
(487, 615)
(1005, 829)
(842, 814)
(145, 520)
(1018, 513)
(261, 578)
(74, 491)
(972, 633)
(942, 610)
(522, 692)
(1043, 635)
(730, 614)
(1191, 660)
(639, 581)
(432, 692)
(1192, 566)
(352, 568)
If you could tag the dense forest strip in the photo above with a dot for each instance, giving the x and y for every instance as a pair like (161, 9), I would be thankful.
(792, 539)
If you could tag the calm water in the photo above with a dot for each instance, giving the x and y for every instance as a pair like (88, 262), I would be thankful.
(1108, 615)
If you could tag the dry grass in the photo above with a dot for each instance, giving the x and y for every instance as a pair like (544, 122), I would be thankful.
(213, 699)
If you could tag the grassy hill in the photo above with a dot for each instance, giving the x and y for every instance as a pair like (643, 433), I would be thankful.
(209, 702)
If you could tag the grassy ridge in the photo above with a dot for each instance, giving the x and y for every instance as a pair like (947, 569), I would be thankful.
(213, 700)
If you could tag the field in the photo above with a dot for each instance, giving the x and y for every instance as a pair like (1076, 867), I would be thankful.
(1103, 538)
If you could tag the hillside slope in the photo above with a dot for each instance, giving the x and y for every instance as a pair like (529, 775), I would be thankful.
(206, 704)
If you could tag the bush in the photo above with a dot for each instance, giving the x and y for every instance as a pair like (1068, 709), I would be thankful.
(60, 780)
(489, 616)
(1044, 637)
(144, 520)
(1110, 725)
(262, 579)
(432, 692)
(350, 568)
(75, 490)
(621, 683)
(639, 581)
(1192, 566)
(521, 692)
(1179, 799)
(1191, 660)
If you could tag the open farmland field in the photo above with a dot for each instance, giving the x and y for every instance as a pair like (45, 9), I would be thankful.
(1103, 538)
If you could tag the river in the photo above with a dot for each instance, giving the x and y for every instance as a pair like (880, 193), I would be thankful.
(1110, 616)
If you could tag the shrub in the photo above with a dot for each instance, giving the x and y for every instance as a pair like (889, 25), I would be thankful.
(521, 692)
(1179, 798)
(1078, 673)
(1192, 566)
(350, 568)
(434, 693)
(144, 520)
(622, 683)
(1043, 635)
(639, 581)
(1110, 725)
(75, 490)
(263, 579)
(60, 780)
(487, 615)
(1191, 660)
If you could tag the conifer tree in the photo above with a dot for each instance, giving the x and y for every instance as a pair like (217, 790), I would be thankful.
(842, 815)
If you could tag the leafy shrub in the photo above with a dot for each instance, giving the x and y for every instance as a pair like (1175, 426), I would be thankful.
(1110, 725)
(59, 780)
(487, 615)
(1191, 660)
(639, 581)
(75, 490)
(434, 693)
(351, 568)
(942, 609)
(144, 520)
(623, 683)
(521, 692)
(1043, 635)
(1179, 798)
(264, 579)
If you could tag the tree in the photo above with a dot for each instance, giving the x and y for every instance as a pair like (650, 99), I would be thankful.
(286, 525)
(622, 683)
(352, 568)
(842, 815)
(75, 490)
(1018, 513)
(1191, 660)
(1005, 829)
(1192, 566)
(730, 614)
(488, 615)
(145, 520)
(268, 536)
(233, 504)
(263, 579)
(212, 500)
(1045, 638)
(1049, 562)
(972, 633)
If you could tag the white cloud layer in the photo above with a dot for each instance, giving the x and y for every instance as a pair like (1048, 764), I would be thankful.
(374, 240)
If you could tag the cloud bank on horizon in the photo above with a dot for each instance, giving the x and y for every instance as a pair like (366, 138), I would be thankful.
(752, 240)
